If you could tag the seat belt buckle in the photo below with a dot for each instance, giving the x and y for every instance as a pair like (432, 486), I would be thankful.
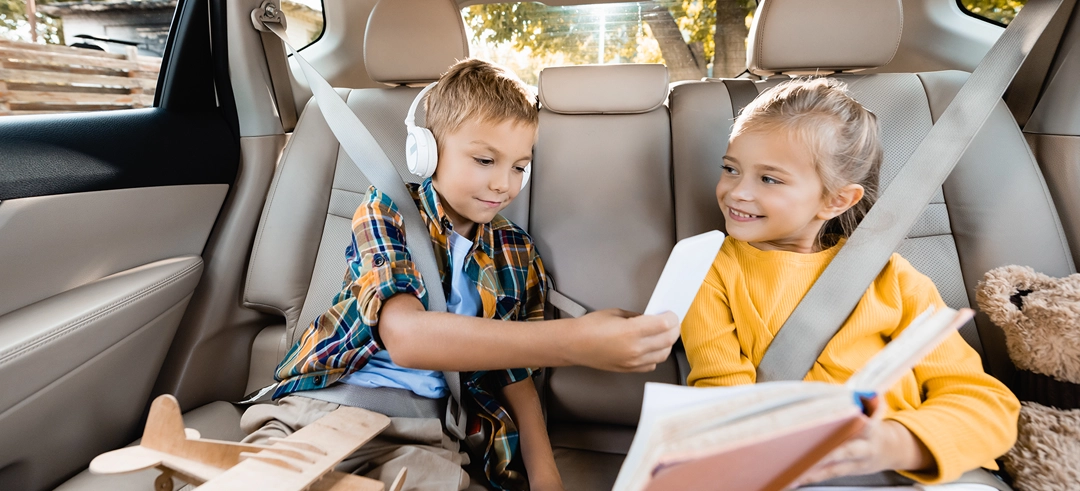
(267, 13)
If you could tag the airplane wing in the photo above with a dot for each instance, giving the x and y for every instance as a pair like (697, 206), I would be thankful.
(297, 462)
(124, 460)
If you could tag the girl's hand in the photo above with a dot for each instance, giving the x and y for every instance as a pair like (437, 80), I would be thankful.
(882, 445)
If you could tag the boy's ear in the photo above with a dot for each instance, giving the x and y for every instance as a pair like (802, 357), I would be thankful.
(840, 202)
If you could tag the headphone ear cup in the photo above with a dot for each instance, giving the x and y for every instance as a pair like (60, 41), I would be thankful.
(526, 176)
(421, 153)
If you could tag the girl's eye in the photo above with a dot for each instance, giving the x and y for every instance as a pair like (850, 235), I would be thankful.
(483, 160)
(519, 168)
(770, 180)
(729, 170)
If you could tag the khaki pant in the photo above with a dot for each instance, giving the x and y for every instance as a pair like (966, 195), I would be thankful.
(432, 458)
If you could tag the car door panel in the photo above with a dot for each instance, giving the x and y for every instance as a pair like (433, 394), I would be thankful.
(104, 218)
(50, 244)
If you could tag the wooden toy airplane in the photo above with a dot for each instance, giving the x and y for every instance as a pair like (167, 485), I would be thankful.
(302, 461)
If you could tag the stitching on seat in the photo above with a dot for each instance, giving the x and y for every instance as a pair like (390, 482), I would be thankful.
(76, 324)
(760, 48)
(1034, 163)
(898, 37)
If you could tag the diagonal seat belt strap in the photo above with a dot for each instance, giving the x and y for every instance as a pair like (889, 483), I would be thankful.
(358, 143)
(838, 290)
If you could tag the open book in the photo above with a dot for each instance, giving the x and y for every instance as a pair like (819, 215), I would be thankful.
(764, 436)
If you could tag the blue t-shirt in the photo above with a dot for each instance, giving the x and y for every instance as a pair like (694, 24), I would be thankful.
(381, 371)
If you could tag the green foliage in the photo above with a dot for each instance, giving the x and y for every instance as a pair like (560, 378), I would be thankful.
(697, 19)
(998, 10)
(14, 24)
(571, 32)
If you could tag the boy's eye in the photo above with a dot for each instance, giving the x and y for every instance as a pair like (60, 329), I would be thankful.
(519, 168)
(483, 160)
(729, 170)
(770, 180)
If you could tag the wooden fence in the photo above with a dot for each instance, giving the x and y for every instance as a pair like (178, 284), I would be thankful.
(40, 78)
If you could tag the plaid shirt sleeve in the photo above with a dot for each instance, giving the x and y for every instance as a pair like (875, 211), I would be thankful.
(344, 338)
(378, 258)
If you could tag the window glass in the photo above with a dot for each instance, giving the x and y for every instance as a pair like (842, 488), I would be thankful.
(997, 11)
(304, 21)
(682, 34)
(60, 56)
(80, 56)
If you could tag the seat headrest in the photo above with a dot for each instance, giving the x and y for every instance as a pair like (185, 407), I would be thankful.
(413, 41)
(603, 89)
(827, 35)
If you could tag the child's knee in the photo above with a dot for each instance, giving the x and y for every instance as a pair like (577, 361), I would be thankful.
(281, 419)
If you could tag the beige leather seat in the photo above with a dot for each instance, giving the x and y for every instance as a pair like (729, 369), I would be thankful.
(993, 210)
(603, 220)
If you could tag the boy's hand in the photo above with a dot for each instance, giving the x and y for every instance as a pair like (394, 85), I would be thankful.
(620, 341)
(882, 445)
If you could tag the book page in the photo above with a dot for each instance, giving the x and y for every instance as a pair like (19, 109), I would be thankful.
(918, 339)
(670, 412)
(767, 424)
(691, 422)
(685, 270)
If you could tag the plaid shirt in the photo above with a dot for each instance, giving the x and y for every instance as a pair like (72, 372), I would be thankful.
(503, 264)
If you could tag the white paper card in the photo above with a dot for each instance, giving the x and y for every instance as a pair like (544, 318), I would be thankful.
(686, 268)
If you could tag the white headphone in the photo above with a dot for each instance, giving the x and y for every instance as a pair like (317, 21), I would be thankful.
(420, 148)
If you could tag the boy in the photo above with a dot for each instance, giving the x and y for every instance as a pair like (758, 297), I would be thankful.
(485, 124)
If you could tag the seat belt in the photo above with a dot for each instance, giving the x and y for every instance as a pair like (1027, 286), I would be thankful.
(358, 143)
(833, 297)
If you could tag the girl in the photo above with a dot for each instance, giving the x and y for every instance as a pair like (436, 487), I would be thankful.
(800, 172)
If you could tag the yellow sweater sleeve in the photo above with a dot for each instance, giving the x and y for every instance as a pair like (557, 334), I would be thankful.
(966, 418)
(711, 342)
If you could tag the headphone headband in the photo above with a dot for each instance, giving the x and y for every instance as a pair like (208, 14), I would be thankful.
(410, 118)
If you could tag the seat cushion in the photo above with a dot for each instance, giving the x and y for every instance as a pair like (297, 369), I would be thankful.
(584, 470)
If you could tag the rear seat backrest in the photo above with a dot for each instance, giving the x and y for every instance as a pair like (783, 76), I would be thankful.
(602, 218)
(993, 210)
(298, 260)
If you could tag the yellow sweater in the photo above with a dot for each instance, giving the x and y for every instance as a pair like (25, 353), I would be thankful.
(965, 417)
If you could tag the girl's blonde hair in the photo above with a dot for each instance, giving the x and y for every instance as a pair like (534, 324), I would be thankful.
(841, 135)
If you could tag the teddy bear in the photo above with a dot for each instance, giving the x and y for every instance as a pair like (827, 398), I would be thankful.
(1040, 316)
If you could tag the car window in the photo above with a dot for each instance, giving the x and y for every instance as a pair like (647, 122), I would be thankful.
(58, 57)
(682, 34)
(304, 21)
(63, 57)
(999, 12)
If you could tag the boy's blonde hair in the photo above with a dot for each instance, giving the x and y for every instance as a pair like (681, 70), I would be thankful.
(477, 90)
(840, 133)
